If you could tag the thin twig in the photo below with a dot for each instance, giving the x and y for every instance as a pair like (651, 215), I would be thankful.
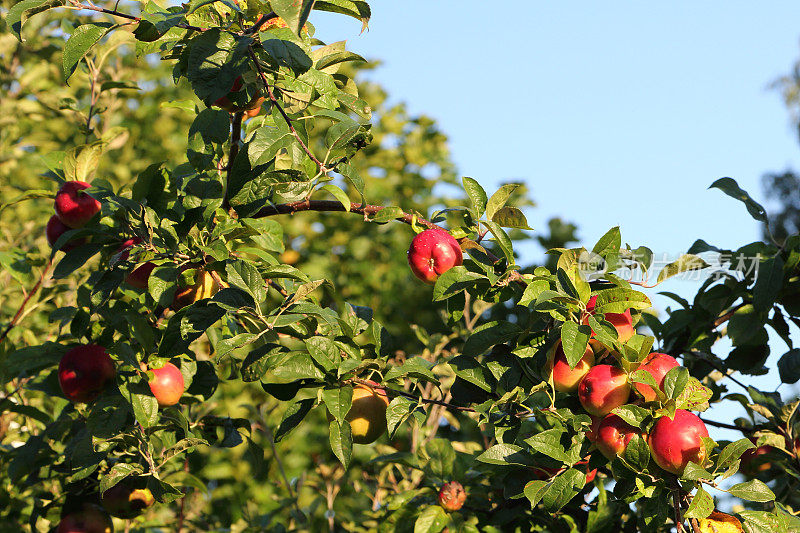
(283, 113)
(260, 22)
(26, 300)
(677, 505)
(116, 13)
(723, 425)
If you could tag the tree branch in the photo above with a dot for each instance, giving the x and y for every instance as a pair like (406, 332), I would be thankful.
(260, 22)
(125, 15)
(25, 301)
(335, 205)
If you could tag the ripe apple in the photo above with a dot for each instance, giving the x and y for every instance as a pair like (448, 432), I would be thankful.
(622, 322)
(718, 522)
(657, 365)
(432, 253)
(452, 496)
(603, 389)
(90, 519)
(675, 442)
(167, 384)
(74, 207)
(566, 379)
(613, 436)
(367, 414)
(84, 371)
(138, 277)
(125, 501)
(205, 287)
(55, 229)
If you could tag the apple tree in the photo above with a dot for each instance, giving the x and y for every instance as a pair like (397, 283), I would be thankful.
(254, 314)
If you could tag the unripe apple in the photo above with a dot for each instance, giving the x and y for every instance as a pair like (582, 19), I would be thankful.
(622, 322)
(205, 287)
(367, 414)
(675, 442)
(55, 229)
(84, 371)
(167, 384)
(566, 379)
(603, 389)
(74, 207)
(432, 253)
(90, 519)
(613, 436)
(452, 496)
(657, 365)
(138, 277)
(718, 522)
(125, 501)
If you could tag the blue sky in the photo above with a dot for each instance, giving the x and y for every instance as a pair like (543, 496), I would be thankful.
(612, 113)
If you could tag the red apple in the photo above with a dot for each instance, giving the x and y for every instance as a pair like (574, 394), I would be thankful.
(566, 379)
(84, 371)
(452, 496)
(657, 365)
(125, 501)
(74, 207)
(55, 229)
(167, 384)
(138, 277)
(603, 389)
(613, 436)
(90, 519)
(675, 442)
(622, 322)
(432, 253)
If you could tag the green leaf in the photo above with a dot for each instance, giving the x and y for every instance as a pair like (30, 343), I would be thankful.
(732, 452)
(476, 194)
(695, 396)
(338, 401)
(455, 281)
(142, 401)
(294, 12)
(74, 259)
(684, 263)
(574, 339)
(608, 243)
(732, 189)
(549, 443)
(753, 490)
(340, 195)
(768, 283)
(117, 473)
(487, 335)
(21, 11)
(499, 199)
(81, 40)
(388, 214)
(341, 440)
(619, 299)
(675, 381)
(506, 454)
(702, 505)
(81, 161)
(511, 217)
(400, 408)
(431, 520)
(562, 489)
(441, 458)
(789, 366)
(215, 60)
(354, 8)
(632, 414)
(294, 414)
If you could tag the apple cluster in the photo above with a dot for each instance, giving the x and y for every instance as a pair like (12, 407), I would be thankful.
(602, 387)
(74, 208)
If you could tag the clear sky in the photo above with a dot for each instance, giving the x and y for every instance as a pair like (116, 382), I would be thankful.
(613, 113)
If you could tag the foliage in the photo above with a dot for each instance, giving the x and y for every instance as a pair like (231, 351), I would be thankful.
(300, 214)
